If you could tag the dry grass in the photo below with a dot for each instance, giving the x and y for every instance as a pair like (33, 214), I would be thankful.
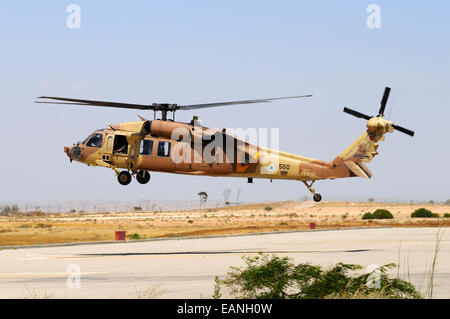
(152, 292)
(35, 294)
(29, 229)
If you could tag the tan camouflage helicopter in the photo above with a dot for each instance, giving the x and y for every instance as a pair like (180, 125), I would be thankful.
(165, 145)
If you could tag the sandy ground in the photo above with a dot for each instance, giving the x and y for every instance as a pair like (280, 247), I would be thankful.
(186, 268)
(38, 228)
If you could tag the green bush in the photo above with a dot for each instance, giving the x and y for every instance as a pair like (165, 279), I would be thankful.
(382, 214)
(268, 208)
(135, 236)
(272, 277)
(378, 214)
(446, 215)
(368, 216)
(13, 208)
(422, 213)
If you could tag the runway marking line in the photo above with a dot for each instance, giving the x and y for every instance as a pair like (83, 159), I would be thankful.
(43, 274)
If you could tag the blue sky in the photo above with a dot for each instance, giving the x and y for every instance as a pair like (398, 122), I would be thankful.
(197, 51)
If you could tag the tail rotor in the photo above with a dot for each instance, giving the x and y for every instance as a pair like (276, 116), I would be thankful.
(380, 115)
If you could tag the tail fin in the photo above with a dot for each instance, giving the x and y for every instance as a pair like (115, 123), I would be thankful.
(364, 149)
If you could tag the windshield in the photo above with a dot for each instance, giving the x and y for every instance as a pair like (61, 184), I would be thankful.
(84, 141)
(96, 140)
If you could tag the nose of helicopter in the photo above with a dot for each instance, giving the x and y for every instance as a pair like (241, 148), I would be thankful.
(67, 150)
(73, 152)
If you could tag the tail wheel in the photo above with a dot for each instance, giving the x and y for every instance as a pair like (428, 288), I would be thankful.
(124, 178)
(143, 177)
(317, 197)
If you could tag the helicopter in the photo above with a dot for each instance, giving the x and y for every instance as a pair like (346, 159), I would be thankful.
(134, 149)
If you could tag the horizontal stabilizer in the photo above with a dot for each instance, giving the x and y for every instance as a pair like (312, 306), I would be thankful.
(359, 169)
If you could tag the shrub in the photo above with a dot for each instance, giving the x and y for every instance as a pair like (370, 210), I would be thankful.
(13, 208)
(272, 277)
(378, 214)
(422, 213)
(135, 236)
(137, 208)
(190, 221)
(382, 214)
(368, 216)
(435, 215)
(446, 215)
(268, 208)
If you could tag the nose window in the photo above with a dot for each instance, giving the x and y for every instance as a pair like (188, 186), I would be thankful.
(95, 141)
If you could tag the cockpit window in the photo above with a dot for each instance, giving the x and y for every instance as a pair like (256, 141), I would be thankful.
(96, 140)
(85, 140)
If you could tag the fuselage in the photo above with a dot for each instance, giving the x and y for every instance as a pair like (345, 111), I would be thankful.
(164, 149)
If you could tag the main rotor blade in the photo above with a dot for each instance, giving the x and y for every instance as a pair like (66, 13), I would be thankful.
(66, 103)
(387, 90)
(356, 113)
(403, 130)
(95, 103)
(200, 106)
(156, 106)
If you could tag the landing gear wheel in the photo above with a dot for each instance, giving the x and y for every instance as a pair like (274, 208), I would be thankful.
(317, 197)
(143, 177)
(124, 178)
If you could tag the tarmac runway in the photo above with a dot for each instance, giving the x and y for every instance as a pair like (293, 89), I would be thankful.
(186, 268)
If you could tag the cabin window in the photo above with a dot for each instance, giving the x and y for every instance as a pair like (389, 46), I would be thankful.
(120, 144)
(95, 141)
(164, 149)
(109, 144)
(146, 147)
